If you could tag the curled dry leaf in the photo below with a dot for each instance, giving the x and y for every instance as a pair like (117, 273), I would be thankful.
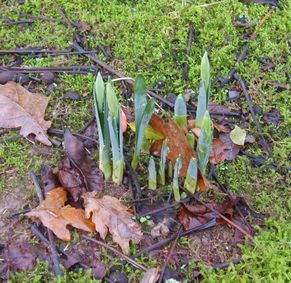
(177, 142)
(178, 146)
(21, 108)
(55, 216)
(77, 171)
(238, 135)
(109, 214)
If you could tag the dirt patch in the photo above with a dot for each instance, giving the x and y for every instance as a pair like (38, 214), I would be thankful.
(213, 246)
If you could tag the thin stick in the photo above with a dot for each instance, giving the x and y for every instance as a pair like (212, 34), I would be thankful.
(128, 259)
(231, 223)
(174, 244)
(134, 178)
(250, 104)
(54, 254)
(51, 52)
(243, 53)
(202, 227)
(94, 59)
(17, 23)
(83, 69)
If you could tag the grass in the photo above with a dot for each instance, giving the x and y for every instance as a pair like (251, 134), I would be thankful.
(138, 34)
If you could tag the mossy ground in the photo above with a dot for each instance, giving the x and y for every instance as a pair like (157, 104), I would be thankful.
(139, 34)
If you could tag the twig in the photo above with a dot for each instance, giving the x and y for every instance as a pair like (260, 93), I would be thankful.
(227, 264)
(126, 258)
(63, 14)
(67, 69)
(29, 21)
(231, 223)
(243, 53)
(44, 18)
(94, 59)
(42, 237)
(167, 206)
(134, 178)
(202, 227)
(54, 255)
(250, 104)
(10, 138)
(59, 132)
(173, 246)
(84, 128)
(41, 51)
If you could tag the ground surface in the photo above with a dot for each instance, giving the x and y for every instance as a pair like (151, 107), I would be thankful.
(151, 37)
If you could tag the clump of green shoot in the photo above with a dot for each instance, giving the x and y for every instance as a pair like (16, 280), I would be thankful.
(101, 113)
(191, 177)
(191, 139)
(204, 141)
(180, 111)
(116, 135)
(163, 159)
(204, 90)
(177, 168)
(152, 182)
(143, 111)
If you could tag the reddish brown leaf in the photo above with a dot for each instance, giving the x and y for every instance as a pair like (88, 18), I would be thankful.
(21, 108)
(77, 171)
(231, 149)
(55, 216)
(109, 214)
(193, 216)
(177, 142)
(49, 179)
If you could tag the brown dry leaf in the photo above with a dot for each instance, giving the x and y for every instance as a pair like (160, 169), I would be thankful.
(109, 214)
(193, 216)
(55, 216)
(177, 142)
(77, 171)
(21, 108)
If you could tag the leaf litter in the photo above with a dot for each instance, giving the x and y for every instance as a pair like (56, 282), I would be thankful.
(21, 108)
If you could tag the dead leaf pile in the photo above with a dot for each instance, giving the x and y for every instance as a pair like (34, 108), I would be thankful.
(25, 110)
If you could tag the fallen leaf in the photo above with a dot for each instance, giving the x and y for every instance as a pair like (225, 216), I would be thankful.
(123, 121)
(177, 142)
(231, 150)
(109, 214)
(217, 154)
(49, 179)
(193, 216)
(21, 255)
(151, 276)
(238, 135)
(272, 117)
(55, 216)
(78, 173)
(24, 109)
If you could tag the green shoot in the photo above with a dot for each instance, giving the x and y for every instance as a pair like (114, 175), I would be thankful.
(152, 183)
(164, 153)
(204, 90)
(101, 113)
(180, 110)
(176, 190)
(116, 135)
(143, 111)
(205, 141)
(191, 139)
(191, 177)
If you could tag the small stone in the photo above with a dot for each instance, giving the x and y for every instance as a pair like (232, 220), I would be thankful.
(233, 94)
(118, 277)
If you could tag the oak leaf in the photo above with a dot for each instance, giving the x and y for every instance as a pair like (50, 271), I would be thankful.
(24, 109)
(55, 216)
(108, 214)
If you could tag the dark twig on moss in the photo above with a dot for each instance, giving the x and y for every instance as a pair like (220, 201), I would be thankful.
(250, 104)
(42, 51)
(82, 70)
(126, 258)
(54, 254)
(202, 227)
(170, 253)
(242, 55)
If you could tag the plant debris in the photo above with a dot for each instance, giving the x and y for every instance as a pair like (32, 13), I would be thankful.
(24, 109)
